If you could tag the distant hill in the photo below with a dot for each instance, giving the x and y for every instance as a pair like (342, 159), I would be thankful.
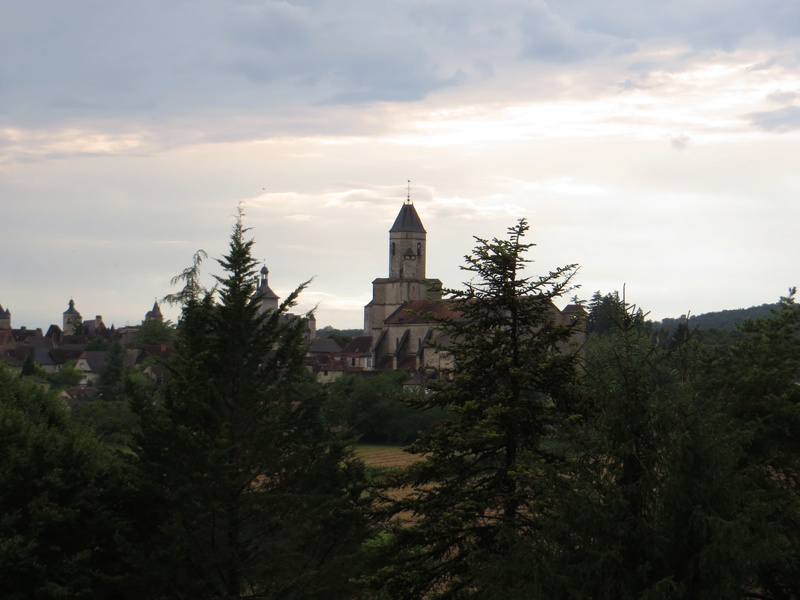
(723, 319)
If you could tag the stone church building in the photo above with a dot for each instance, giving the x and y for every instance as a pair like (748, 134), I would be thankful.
(399, 321)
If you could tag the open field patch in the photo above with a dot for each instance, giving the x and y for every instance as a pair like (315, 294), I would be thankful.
(384, 456)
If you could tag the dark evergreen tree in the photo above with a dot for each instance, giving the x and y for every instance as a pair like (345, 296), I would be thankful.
(28, 366)
(488, 472)
(758, 382)
(655, 507)
(249, 495)
(601, 310)
(110, 384)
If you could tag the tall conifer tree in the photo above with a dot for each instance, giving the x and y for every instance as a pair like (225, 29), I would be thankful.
(487, 473)
(759, 383)
(252, 498)
(654, 506)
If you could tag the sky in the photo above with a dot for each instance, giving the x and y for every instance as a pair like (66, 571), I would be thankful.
(653, 143)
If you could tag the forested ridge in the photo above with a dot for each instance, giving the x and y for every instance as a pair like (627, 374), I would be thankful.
(722, 319)
(604, 457)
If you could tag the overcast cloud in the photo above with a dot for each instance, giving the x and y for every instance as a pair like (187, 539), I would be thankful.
(651, 142)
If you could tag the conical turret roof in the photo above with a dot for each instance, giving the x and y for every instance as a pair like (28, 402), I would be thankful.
(407, 220)
(263, 291)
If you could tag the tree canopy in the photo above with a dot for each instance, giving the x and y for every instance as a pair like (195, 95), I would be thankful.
(249, 495)
(488, 470)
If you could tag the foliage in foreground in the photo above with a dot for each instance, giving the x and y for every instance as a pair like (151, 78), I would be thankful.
(58, 526)
(247, 495)
(488, 473)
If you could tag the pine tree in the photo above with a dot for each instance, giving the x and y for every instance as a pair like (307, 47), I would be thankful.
(758, 383)
(488, 471)
(655, 508)
(251, 496)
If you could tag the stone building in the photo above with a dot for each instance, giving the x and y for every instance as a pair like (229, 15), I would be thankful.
(5, 318)
(270, 301)
(400, 320)
(407, 278)
(72, 322)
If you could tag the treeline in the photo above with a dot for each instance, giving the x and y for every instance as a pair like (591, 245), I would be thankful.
(631, 462)
(723, 319)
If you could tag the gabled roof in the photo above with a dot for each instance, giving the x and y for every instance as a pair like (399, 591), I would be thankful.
(324, 345)
(63, 355)
(95, 359)
(53, 331)
(573, 309)
(407, 220)
(359, 345)
(420, 312)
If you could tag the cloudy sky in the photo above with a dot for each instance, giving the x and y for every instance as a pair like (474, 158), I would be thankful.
(654, 143)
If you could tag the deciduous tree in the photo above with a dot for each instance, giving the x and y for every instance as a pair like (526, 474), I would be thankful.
(58, 493)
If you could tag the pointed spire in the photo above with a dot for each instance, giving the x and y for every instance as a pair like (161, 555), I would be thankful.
(71, 310)
(407, 220)
(155, 314)
(264, 290)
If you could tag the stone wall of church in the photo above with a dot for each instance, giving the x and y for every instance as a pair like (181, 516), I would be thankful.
(407, 255)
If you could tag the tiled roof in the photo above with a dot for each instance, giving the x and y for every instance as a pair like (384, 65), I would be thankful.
(63, 355)
(53, 330)
(359, 345)
(573, 308)
(421, 312)
(96, 359)
(324, 345)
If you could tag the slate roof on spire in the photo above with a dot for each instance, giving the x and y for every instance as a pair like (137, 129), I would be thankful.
(71, 310)
(155, 313)
(263, 291)
(407, 220)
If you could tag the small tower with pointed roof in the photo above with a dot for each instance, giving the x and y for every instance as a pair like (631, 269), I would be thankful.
(407, 239)
(72, 321)
(154, 314)
(268, 300)
(5, 318)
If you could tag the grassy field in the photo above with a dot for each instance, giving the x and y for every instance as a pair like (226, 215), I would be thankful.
(384, 456)
(377, 458)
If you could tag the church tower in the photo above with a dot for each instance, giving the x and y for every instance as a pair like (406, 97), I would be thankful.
(155, 314)
(406, 281)
(72, 321)
(407, 239)
(268, 300)
(5, 318)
